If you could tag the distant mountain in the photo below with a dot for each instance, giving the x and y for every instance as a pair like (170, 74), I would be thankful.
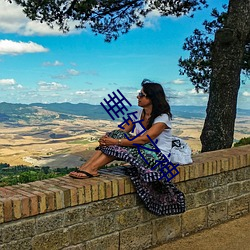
(245, 112)
(94, 112)
(190, 112)
(3, 117)
(47, 112)
(199, 111)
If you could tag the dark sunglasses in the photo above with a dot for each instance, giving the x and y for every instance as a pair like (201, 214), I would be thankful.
(140, 94)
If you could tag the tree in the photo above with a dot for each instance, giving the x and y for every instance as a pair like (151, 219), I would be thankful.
(227, 58)
(198, 65)
(219, 126)
(113, 17)
(108, 17)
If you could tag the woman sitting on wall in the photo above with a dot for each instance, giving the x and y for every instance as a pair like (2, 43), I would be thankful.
(153, 127)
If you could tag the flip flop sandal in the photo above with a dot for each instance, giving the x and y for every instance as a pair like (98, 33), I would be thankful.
(87, 175)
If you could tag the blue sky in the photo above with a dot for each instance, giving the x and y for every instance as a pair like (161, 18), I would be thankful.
(38, 64)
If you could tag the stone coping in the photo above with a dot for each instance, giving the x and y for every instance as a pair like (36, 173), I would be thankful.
(39, 197)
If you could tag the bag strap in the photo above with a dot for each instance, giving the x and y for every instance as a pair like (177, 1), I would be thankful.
(176, 143)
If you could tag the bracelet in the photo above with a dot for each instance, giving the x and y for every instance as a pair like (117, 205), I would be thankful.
(119, 141)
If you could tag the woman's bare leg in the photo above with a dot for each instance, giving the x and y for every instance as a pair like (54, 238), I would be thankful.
(98, 160)
(95, 156)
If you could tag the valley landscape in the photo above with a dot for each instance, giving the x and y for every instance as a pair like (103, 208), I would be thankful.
(65, 135)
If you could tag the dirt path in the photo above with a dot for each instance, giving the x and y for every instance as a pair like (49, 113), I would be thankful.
(233, 235)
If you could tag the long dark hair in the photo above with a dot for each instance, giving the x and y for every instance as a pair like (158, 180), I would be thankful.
(155, 93)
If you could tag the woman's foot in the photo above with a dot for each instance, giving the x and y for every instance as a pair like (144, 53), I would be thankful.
(83, 174)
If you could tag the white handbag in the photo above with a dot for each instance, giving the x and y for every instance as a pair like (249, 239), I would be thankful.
(180, 152)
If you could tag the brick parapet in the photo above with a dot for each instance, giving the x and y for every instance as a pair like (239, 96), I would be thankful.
(40, 197)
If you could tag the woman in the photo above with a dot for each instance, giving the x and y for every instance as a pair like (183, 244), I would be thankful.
(160, 196)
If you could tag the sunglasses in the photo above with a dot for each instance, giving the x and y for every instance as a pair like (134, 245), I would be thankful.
(140, 94)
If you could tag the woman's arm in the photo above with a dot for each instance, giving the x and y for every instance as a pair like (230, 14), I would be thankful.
(127, 128)
(153, 132)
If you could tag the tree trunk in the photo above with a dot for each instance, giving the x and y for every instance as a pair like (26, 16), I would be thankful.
(227, 56)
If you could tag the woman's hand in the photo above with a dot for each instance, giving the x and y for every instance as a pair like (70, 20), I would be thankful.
(103, 137)
(107, 141)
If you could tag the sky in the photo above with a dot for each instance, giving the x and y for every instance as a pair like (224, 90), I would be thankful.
(38, 64)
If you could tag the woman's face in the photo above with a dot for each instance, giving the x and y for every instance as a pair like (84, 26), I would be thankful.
(143, 100)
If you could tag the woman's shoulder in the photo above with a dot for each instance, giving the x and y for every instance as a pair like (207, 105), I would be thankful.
(165, 118)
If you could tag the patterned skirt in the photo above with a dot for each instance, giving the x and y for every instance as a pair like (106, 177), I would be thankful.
(160, 197)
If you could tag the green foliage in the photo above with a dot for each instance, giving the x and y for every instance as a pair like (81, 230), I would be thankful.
(108, 17)
(3, 165)
(198, 66)
(242, 142)
(23, 174)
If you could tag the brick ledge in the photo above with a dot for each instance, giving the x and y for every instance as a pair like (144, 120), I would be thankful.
(25, 200)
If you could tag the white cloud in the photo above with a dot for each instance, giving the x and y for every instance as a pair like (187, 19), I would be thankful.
(19, 86)
(7, 82)
(180, 93)
(246, 93)
(178, 81)
(73, 72)
(80, 92)
(186, 97)
(152, 19)
(40, 29)
(15, 48)
(55, 63)
(51, 86)
(13, 20)
(70, 72)
(153, 14)
(10, 84)
(194, 92)
(11, 17)
(101, 89)
(93, 95)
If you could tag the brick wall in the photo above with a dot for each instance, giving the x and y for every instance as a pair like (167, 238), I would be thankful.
(105, 213)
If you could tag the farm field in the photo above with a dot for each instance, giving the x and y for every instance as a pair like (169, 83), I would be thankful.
(62, 143)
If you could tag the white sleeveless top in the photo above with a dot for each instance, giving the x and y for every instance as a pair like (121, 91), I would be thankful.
(165, 138)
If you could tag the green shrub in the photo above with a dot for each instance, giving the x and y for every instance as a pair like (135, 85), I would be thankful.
(22, 174)
(242, 142)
